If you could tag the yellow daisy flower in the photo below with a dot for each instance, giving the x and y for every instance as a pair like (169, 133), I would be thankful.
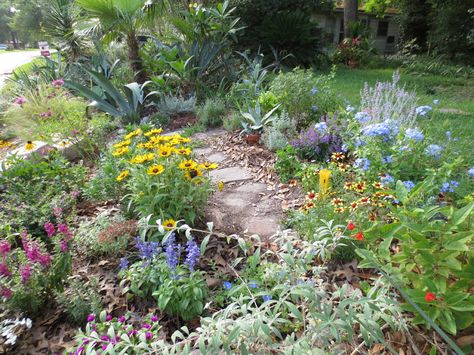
(169, 224)
(139, 159)
(192, 173)
(208, 166)
(122, 175)
(188, 164)
(30, 146)
(165, 151)
(153, 132)
(122, 144)
(155, 169)
(183, 151)
(120, 151)
(135, 133)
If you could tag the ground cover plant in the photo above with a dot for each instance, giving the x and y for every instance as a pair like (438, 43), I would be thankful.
(212, 177)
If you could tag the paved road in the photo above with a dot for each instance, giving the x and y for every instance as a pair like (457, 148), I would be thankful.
(12, 60)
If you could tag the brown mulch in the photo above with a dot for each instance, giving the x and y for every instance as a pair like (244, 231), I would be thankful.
(182, 120)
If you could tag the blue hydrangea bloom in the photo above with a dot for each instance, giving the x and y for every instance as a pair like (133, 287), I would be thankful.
(471, 172)
(414, 134)
(363, 117)
(314, 91)
(227, 285)
(362, 163)
(434, 150)
(423, 110)
(409, 184)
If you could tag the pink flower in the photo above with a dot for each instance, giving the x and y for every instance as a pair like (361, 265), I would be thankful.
(4, 270)
(6, 292)
(5, 247)
(121, 319)
(90, 318)
(146, 326)
(58, 212)
(148, 335)
(46, 114)
(25, 272)
(154, 318)
(57, 83)
(64, 229)
(49, 228)
(20, 100)
(63, 246)
(108, 318)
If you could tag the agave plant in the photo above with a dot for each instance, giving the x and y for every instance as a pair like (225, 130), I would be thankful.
(108, 99)
(253, 121)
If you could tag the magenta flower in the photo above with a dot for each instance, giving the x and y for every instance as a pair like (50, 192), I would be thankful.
(25, 273)
(20, 100)
(121, 319)
(63, 246)
(4, 272)
(6, 292)
(58, 212)
(5, 247)
(154, 318)
(64, 229)
(49, 228)
(132, 332)
(90, 318)
(108, 318)
(57, 83)
(104, 338)
(146, 326)
(148, 335)
(46, 114)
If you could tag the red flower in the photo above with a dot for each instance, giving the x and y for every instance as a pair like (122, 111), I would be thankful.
(359, 236)
(351, 226)
(430, 297)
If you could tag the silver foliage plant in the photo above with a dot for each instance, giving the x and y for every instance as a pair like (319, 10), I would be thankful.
(389, 101)
(306, 314)
(278, 135)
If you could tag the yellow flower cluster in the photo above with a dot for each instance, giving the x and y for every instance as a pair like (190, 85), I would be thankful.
(6, 144)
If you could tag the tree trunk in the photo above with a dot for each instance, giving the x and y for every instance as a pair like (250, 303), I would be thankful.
(350, 16)
(134, 57)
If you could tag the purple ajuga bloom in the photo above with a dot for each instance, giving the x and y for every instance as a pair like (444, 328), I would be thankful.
(6, 292)
(266, 298)
(362, 163)
(123, 263)
(104, 338)
(409, 184)
(192, 254)
(49, 228)
(363, 117)
(63, 246)
(172, 251)
(147, 250)
(434, 151)
(414, 134)
(227, 285)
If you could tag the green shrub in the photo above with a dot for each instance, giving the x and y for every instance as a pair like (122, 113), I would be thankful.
(232, 122)
(304, 95)
(80, 299)
(287, 165)
(212, 112)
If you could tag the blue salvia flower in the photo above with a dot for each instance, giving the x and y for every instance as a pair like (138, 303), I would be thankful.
(192, 254)
(409, 184)
(172, 251)
(434, 150)
(414, 134)
(123, 264)
(147, 250)
(362, 163)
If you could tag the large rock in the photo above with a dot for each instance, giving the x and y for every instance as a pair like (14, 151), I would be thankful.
(230, 174)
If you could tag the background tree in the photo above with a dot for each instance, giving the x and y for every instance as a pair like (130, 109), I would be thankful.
(350, 15)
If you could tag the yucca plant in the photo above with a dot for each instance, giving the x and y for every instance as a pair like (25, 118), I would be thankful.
(110, 100)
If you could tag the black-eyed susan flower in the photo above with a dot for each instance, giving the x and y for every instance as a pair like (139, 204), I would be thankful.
(311, 195)
(165, 151)
(30, 146)
(6, 144)
(120, 151)
(208, 166)
(122, 175)
(338, 156)
(135, 133)
(169, 224)
(188, 164)
(183, 151)
(192, 173)
(122, 144)
(154, 131)
(155, 169)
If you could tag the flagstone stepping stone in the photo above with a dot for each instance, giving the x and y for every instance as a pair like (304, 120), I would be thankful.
(230, 174)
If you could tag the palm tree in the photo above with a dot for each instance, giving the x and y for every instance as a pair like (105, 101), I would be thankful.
(121, 18)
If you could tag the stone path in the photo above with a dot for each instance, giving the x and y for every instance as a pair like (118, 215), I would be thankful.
(243, 206)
